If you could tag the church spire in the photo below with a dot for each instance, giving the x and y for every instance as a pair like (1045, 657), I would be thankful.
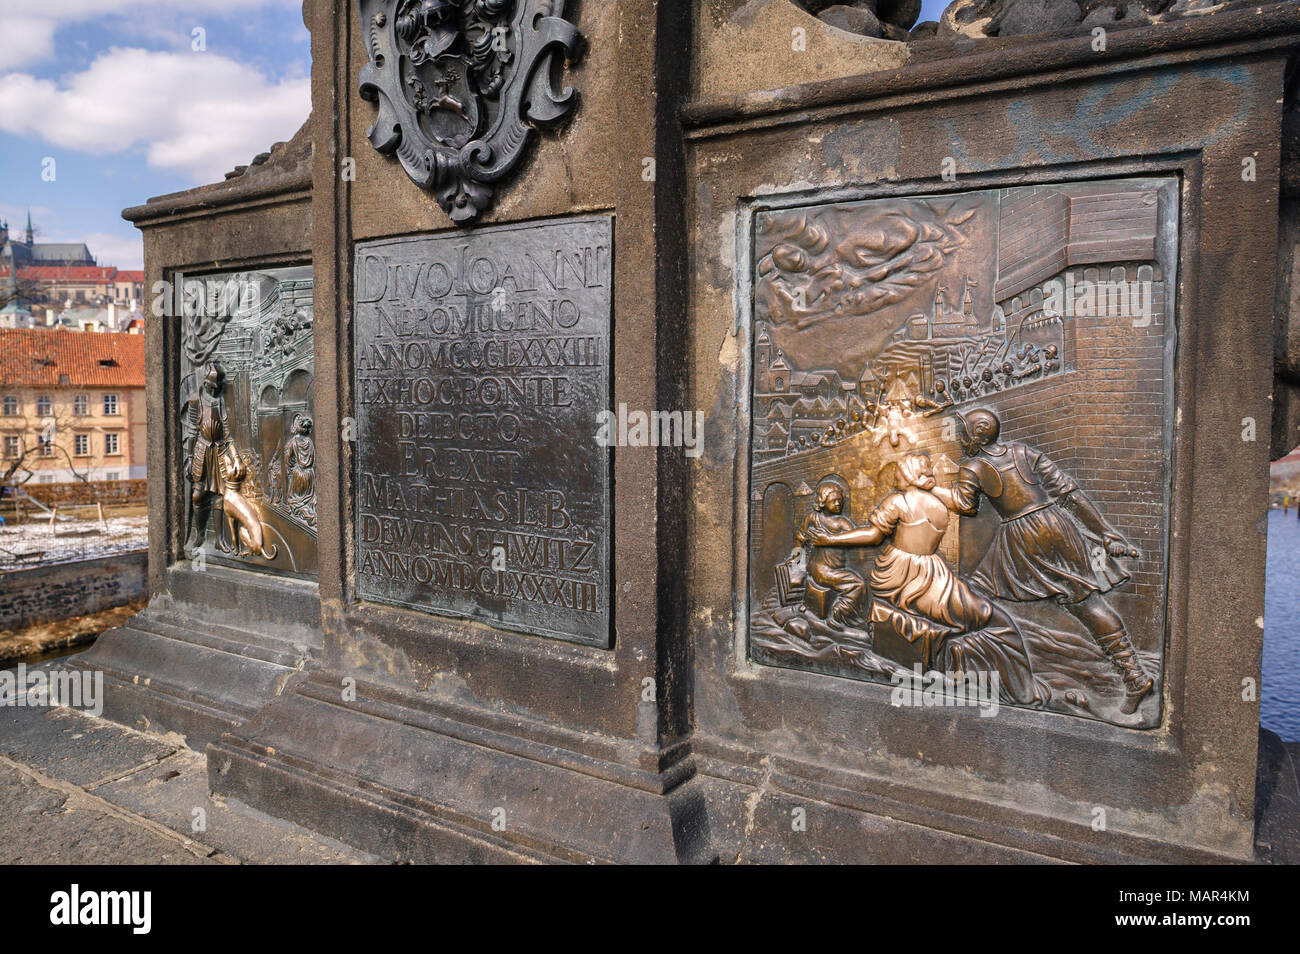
(29, 227)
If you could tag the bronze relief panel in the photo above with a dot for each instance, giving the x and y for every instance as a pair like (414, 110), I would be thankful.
(246, 420)
(961, 423)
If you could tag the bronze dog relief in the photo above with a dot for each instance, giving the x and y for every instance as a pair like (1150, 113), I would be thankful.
(961, 415)
(247, 362)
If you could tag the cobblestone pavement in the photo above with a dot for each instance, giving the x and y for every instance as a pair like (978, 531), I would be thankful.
(79, 790)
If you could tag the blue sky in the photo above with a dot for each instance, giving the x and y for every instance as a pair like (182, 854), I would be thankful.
(116, 94)
(930, 9)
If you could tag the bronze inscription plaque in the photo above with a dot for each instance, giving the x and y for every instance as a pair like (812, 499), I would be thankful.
(482, 364)
(961, 427)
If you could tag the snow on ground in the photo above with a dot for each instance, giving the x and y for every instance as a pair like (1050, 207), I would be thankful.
(70, 542)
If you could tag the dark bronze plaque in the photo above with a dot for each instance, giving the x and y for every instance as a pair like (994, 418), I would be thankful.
(482, 363)
(960, 412)
(246, 415)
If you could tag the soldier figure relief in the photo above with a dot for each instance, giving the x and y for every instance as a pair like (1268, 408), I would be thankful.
(1038, 552)
(208, 441)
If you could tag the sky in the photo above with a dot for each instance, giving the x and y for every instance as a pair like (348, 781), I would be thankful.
(138, 98)
(931, 9)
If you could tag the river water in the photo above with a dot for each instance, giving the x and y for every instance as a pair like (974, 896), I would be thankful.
(1280, 699)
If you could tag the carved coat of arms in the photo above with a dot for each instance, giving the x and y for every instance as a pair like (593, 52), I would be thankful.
(461, 86)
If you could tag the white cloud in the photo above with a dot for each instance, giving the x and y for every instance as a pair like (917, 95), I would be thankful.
(199, 115)
(119, 251)
(25, 39)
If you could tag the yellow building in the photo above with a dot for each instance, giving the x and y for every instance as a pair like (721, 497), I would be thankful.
(72, 405)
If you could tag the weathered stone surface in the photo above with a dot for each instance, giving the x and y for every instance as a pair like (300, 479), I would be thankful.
(42, 825)
(57, 805)
(758, 147)
(673, 744)
(1021, 17)
(181, 667)
(743, 45)
(174, 793)
(1277, 793)
(891, 19)
(68, 746)
(854, 19)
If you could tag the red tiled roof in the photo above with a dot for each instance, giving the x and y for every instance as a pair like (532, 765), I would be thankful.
(36, 357)
(76, 273)
(94, 273)
(80, 273)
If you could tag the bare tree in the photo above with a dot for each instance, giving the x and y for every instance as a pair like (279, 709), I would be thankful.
(21, 290)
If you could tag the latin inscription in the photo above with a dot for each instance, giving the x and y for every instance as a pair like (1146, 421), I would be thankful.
(482, 362)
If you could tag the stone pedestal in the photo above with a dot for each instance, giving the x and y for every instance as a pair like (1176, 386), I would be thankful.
(223, 633)
(445, 726)
(545, 635)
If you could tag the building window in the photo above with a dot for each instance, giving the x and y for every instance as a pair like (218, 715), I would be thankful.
(47, 478)
(81, 405)
(111, 444)
(45, 448)
(110, 403)
(11, 446)
(43, 406)
(113, 475)
(81, 445)
(10, 405)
